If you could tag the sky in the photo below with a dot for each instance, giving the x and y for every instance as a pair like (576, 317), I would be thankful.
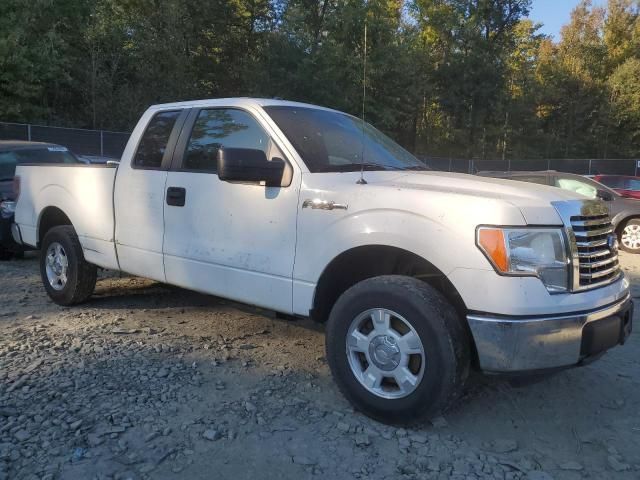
(554, 14)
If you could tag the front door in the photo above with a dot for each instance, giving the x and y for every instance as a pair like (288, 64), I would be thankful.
(229, 239)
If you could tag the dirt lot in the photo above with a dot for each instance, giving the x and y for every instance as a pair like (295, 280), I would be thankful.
(148, 381)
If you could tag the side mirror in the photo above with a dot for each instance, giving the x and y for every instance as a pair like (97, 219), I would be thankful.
(249, 165)
(604, 195)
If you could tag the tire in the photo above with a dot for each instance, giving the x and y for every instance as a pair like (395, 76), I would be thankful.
(441, 368)
(630, 236)
(79, 274)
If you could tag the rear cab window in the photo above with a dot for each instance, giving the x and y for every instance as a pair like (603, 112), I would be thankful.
(153, 144)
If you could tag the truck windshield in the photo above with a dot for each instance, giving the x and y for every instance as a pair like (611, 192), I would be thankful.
(331, 141)
(9, 159)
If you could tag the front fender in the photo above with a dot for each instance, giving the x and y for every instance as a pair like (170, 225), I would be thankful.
(445, 246)
(621, 217)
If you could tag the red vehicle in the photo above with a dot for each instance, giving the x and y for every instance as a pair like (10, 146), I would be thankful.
(627, 186)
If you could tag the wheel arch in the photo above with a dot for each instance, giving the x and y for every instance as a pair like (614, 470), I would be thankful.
(50, 217)
(622, 218)
(367, 261)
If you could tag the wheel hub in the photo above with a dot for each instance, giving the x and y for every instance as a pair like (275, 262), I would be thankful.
(56, 266)
(384, 352)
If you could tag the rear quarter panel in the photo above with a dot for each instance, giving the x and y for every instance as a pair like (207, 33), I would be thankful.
(83, 193)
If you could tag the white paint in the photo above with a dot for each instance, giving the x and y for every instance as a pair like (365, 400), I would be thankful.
(258, 245)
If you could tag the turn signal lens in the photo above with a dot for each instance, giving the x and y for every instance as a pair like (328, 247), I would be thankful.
(491, 240)
(527, 251)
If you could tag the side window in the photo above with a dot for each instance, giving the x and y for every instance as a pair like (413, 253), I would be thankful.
(612, 182)
(542, 180)
(154, 140)
(632, 184)
(577, 186)
(220, 128)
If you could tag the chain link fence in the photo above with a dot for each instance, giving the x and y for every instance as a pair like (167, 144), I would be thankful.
(98, 143)
(107, 144)
(580, 166)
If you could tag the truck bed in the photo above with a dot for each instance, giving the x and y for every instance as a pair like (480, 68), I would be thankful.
(83, 192)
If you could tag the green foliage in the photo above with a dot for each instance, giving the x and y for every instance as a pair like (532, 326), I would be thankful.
(460, 78)
(624, 86)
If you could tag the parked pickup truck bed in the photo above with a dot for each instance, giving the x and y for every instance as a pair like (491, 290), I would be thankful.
(307, 211)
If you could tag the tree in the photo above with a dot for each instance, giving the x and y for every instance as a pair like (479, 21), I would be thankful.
(624, 85)
(38, 55)
(456, 78)
(622, 31)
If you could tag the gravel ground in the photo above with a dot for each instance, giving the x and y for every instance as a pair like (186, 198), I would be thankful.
(150, 381)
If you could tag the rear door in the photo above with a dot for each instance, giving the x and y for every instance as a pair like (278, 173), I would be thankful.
(236, 240)
(139, 194)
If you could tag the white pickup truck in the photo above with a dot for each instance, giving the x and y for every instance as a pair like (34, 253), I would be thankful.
(310, 212)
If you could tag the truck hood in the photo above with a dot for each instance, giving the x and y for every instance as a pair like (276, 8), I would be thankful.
(533, 200)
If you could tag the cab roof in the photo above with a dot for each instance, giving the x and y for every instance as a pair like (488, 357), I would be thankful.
(239, 102)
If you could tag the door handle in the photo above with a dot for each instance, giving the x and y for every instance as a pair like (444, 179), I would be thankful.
(176, 196)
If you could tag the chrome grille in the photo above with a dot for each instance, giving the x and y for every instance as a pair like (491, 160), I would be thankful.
(597, 257)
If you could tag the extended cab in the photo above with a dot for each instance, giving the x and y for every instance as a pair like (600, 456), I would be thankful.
(308, 211)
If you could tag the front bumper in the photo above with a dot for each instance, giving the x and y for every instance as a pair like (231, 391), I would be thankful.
(526, 344)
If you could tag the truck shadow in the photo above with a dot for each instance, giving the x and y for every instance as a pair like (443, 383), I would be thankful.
(134, 293)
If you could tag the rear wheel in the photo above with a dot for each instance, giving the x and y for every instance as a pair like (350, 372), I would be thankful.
(630, 236)
(396, 349)
(67, 277)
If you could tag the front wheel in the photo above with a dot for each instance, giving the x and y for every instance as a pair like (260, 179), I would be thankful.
(67, 277)
(397, 349)
(630, 236)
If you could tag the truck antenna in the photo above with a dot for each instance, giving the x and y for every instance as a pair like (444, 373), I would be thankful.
(361, 180)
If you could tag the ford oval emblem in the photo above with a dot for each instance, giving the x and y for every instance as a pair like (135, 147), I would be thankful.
(612, 243)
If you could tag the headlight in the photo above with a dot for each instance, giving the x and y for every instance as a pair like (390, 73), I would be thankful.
(7, 209)
(538, 252)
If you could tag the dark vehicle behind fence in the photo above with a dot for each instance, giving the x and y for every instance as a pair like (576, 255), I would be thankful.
(13, 153)
(624, 212)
